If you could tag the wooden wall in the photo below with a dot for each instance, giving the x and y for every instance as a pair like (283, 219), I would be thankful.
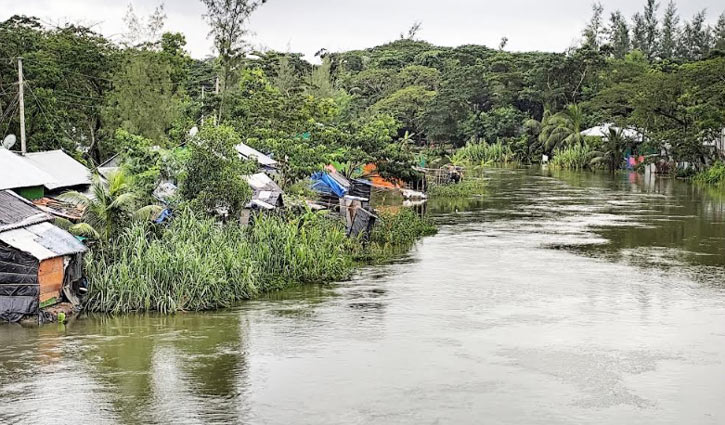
(50, 279)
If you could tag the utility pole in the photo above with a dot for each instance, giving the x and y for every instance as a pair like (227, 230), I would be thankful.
(202, 105)
(21, 101)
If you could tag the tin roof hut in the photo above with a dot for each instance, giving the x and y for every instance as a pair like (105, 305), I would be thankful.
(40, 264)
(38, 174)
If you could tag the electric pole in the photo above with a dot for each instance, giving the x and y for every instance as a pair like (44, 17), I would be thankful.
(202, 105)
(21, 101)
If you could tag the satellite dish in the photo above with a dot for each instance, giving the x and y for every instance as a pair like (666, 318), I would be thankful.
(9, 141)
(194, 131)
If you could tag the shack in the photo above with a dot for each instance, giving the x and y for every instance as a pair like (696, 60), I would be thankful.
(36, 175)
(265, 162)
(40, 264)
(352, 198)
(22, 176)
(266, 194)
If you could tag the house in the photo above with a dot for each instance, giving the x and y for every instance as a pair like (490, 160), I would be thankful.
(40, 264)
(603, 132)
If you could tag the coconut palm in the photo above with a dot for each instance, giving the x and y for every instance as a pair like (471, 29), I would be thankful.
(110, 204)
(562, 129)
(611, 152)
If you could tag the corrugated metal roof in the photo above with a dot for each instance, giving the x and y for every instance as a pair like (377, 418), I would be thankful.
(65, 171)
(16, 212)
(261, 181)
(18, 172)
(247, 152)
(43, 241)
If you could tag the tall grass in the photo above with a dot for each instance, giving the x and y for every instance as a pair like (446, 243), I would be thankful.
(481, 154)
(467, 187)
(574, 157)
(714, 175)
(200, 264)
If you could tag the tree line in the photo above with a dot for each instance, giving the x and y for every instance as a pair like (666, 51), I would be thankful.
(386, 104)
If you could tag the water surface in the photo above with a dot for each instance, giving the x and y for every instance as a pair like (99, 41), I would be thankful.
(555, 299)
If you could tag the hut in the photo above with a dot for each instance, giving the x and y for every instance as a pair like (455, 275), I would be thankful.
(265, 162)
(40, 264)
(22, 176)
(66, 173)
(266, 194)
(37, 175)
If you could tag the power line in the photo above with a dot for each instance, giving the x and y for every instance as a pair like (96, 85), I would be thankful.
(42, 111)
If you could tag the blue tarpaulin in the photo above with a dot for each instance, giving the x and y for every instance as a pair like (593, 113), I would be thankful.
(323, 182)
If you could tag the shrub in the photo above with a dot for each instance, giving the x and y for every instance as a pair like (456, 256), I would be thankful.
(714, 175)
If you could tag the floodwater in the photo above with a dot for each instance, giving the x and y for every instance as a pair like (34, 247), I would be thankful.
(555, 299)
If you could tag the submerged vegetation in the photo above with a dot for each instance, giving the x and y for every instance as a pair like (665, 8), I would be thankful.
(465, 188)
(482, 154)
(575, 157)
(714, 175)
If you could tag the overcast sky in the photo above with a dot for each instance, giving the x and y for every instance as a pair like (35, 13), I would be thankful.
(309, 25)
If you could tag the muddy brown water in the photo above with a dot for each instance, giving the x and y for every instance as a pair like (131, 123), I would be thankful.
(565, 298)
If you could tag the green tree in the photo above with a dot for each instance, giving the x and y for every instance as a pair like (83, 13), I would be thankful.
(406, 105)
(563, 129)
(594, 31)
(145, 99)
(228, 20)
(610, 152)
(618, 35)
(670, 32)
(214, 181)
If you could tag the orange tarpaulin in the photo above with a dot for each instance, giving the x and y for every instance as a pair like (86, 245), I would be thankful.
(371, 172)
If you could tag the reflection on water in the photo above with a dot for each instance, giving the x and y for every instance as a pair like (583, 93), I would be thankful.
(555, 298)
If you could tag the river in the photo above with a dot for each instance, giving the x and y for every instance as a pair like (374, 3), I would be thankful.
(567, 298)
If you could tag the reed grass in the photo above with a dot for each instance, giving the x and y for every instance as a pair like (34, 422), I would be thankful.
(200, 264)
(465, 188)
(574, 157)
(714, 176)
(483, 154)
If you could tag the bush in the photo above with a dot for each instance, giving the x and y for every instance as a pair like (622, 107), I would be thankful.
(714, 175)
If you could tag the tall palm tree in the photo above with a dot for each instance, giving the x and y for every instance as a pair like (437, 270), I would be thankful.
(611, 152)
(563, 128)
(109, 206)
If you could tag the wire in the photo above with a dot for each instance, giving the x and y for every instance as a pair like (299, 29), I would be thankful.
(42, 111)
(13, 103)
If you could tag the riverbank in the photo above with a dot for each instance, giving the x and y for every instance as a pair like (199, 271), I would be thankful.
(196, 264)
